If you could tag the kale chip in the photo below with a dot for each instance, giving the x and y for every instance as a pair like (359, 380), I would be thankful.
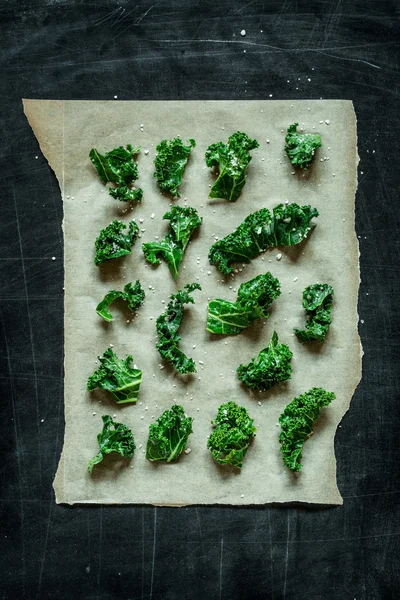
(297, 421)
(119, 167)
(117, 377)
(115, 437)
(182, 223)
(271, 366)
(289, 225)
(167, 326)
(170, 163)
(317, 300)
(112, 243)
(232, 435)
(230, 161)
(168, 436)
(253, 300)
(301, 147)
(133, 295)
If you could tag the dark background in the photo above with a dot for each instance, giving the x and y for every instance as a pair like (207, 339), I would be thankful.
(167, 49)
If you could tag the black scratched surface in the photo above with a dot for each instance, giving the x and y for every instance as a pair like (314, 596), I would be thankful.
(167, 49)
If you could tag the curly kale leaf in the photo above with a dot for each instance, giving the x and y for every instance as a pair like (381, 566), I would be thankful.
(182, 221)
(301, 147)
(230, 161)
(271, 366)
(297, 421)
(115, 437)
(292, 224)
(253, 300)
(170, 163)
(167, 326)
(317, 300)
(133, 295)
(231, 437)
(168, 436)
(113, 243)
(119, 167)
(117, 377)
(289, 225)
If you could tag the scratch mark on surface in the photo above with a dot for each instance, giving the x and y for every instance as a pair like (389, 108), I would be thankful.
(376, 493)
(332, 21)
(280, 49)
(278, 17)
(262, 15)
(135, 23)
(30, 335)
(271, 555)
(144, 15)
(197, 29)
(139, 59)
(142, 552)
(220, 567)
(119, 18)
(18, 448)
(323, 53)
(200, 530)
(154, 552)
(102, 20)
(43, 558)
(100, 551)
(245, 6)
(89, 549)
(287, 556)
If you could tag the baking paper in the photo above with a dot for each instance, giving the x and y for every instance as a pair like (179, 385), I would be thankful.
(66, 131)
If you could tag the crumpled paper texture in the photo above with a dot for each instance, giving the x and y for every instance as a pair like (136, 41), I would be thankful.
(66, 131)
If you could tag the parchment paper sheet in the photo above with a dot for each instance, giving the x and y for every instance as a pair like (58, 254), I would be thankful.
(66, 131)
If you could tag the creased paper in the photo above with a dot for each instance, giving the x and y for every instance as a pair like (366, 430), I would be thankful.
(66, 131)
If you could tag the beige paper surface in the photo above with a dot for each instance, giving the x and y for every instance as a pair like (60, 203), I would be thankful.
(66, 131)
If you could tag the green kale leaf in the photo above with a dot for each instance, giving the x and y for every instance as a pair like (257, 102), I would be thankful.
(230, 161)
(301, 147)
(297, 421)
(317, 300)
(133, 295)
(182, 223)
(168, 436)
(117, 377)
(167, 326)
(271, 366)
(170, 163)
(231, 437)
(253, 300)
(115, 437)
(112, 243)
(289, 225)
(119, 167)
